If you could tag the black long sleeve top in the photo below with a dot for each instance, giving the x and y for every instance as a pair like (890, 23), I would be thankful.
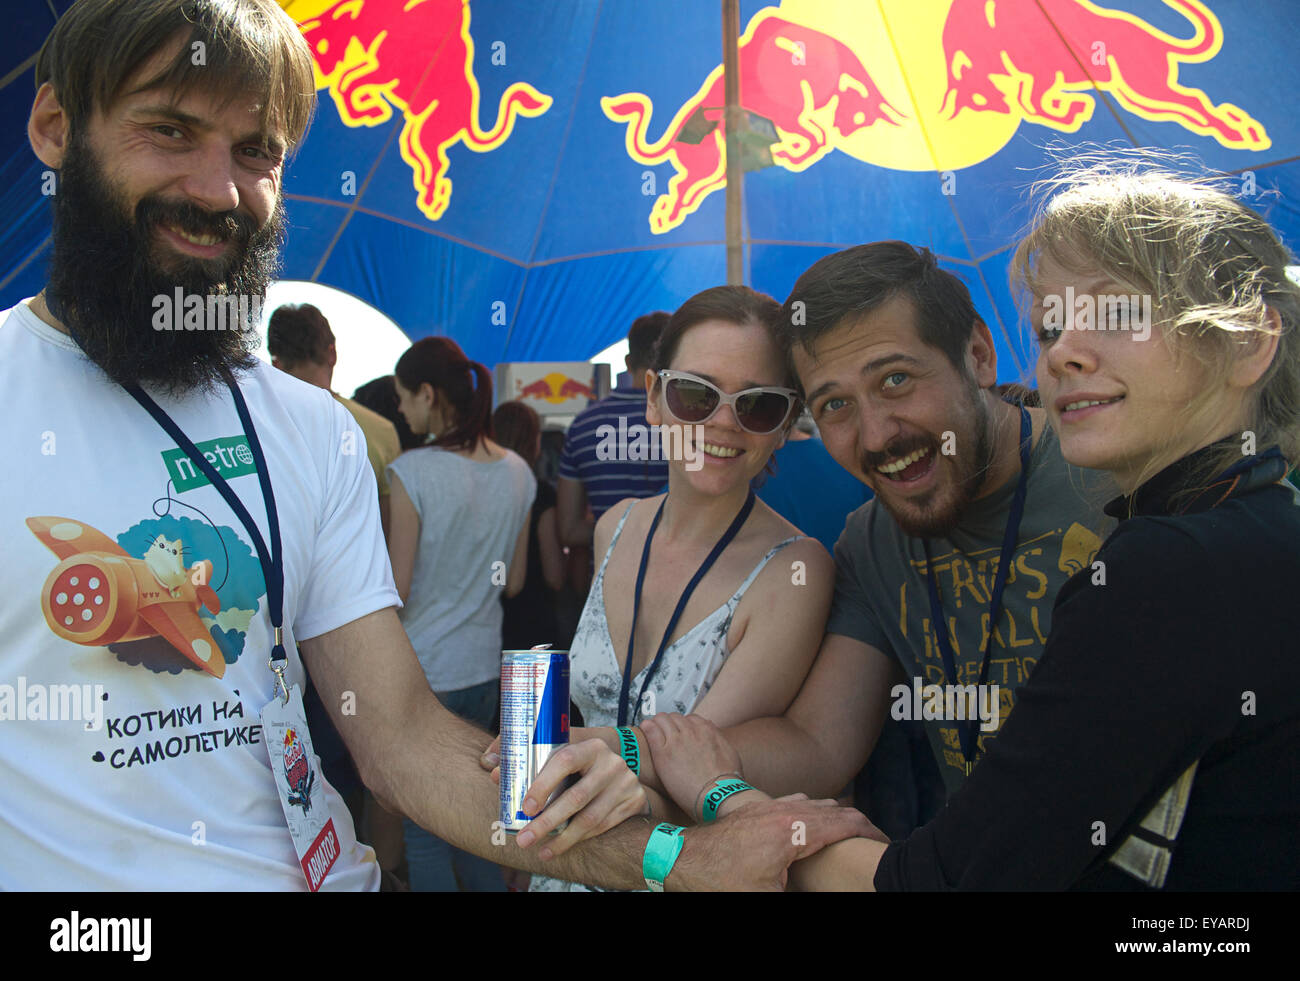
(1187, 652)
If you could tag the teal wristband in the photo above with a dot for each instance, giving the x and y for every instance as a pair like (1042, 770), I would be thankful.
(722, 789)
(631, 752)
(661, 852)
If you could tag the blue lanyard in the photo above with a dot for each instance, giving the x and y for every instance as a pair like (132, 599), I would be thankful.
(967, 731)
(273, 562)
(718, 549)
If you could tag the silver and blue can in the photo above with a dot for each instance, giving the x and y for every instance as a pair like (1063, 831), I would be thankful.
(534, 723)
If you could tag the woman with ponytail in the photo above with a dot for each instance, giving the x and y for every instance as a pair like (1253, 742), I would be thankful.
(459, 540)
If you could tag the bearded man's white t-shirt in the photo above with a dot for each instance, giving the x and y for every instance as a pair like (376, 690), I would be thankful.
(126, 763)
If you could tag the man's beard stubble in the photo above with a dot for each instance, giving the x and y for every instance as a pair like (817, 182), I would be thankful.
(105, 274)
(928, 517)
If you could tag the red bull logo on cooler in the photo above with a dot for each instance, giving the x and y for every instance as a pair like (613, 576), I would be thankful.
(930, 86)
(555, 388)
(416, 56)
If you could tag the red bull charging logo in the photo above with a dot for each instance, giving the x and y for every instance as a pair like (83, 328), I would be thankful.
(555, 388)
(790, 75)
(1036, 58)
(415, 56)
(930, 86)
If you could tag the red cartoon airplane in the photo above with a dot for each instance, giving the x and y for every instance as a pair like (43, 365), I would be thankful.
(98, 594)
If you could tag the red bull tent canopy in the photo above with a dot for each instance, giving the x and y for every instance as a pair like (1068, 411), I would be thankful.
(529, 177)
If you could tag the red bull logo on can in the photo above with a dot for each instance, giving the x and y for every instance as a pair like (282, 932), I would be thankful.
(415, 56)
(930, 86)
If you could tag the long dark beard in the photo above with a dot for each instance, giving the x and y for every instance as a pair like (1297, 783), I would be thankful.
(106, 273)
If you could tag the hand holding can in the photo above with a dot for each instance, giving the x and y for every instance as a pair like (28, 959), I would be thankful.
(537, 761)
(534, 723)
(605, 795)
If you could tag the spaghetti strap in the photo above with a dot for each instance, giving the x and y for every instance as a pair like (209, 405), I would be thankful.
(759, 568)
(618, 530)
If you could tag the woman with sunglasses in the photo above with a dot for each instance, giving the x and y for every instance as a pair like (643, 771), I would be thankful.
(1157, 742)
(705, 599)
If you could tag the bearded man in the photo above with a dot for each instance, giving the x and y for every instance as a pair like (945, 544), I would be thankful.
(177, 511)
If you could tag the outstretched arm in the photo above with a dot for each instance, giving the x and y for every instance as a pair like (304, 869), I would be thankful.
(846, 866)
(689, 743)
(826, 736)
(420, 760)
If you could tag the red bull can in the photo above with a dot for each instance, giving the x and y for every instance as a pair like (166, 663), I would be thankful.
(534, 723)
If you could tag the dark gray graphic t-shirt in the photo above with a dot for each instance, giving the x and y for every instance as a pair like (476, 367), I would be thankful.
(881, 596)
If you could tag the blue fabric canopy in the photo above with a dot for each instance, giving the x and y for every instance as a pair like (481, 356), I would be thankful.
(529, 178)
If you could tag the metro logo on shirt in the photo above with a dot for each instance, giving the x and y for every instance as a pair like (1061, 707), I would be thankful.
(229, 456)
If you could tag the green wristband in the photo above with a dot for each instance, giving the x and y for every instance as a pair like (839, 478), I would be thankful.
(722, 789)
(631, 752)
(661, 852)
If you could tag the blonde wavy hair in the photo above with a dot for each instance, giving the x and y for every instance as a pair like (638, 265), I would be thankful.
(1215, 270)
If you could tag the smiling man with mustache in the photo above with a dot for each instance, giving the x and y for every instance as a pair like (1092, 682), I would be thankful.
(900, 374)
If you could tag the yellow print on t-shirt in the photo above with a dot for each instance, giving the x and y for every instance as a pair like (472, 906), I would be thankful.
(965, 583)
(963, 579)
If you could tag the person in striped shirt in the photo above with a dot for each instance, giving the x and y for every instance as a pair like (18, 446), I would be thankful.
(610, 452)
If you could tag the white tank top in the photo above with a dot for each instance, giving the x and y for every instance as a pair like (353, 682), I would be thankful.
(686, 672)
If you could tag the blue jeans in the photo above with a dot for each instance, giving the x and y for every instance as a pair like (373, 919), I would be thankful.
(433, 864)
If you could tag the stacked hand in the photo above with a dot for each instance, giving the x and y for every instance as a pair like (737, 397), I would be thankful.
(606, 794)
(689, 753)
(755, 839)
(750, 847)
(753, 848)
